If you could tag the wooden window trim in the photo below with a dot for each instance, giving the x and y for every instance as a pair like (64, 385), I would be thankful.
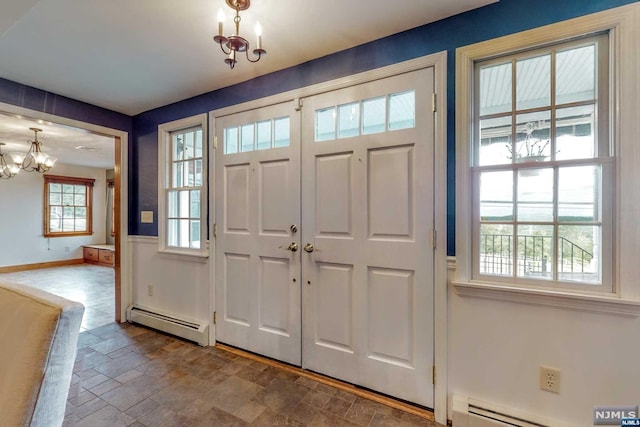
(58, 179)
(111, 185)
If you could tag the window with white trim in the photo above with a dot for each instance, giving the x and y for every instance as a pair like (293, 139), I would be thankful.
(183, 183)
(542, 170)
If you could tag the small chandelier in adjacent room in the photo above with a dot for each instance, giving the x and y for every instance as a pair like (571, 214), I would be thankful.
(234, 44)
(7, 170)
(34, 160)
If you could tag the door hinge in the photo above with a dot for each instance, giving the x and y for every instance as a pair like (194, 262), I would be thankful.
(215, 317)
(298, 102)
(215, 142)
(433, 102)
(433, 374)
(435, 238)
(215, 230)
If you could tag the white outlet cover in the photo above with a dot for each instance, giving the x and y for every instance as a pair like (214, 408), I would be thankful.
(550, 379)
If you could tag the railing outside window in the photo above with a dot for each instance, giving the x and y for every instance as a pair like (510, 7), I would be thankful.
(535, 257)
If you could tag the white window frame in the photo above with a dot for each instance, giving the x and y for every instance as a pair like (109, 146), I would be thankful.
(623, 26)
(165, 131)
(603, 159)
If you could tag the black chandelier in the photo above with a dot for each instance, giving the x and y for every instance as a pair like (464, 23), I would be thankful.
(234, 44)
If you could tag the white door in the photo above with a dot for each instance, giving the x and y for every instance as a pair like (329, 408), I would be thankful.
(367, 209)
(257, 217)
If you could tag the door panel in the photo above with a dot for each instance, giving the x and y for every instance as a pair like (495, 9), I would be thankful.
(334, 288)
(367, 209)
(333, 195)
(390, 181)
(274, 294)
(257, 277)
(274, 197)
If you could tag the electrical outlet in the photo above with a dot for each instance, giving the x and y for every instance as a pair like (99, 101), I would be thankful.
(150, 290)
(549, 379)
(67, 248)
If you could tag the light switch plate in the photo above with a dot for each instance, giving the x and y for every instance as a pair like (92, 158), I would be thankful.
(146, 217)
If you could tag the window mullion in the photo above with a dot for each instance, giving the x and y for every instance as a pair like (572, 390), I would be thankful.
(552, 136)
(514, 197)
(514, 222)
(556, 239)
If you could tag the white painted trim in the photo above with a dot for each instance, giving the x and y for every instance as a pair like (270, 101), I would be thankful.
(451, 263)
(341, 83)
(566, 300)
(439, 62)
(148, 240)
(213, 151)
(164, 132)
(555, 298)
(440, 308)
(126, 278)
(624, 24)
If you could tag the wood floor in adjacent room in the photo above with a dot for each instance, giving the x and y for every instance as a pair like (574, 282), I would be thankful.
(92, 285)
(127, 375)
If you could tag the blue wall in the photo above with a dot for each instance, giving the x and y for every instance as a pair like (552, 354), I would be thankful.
(50, 103)
(505, 17)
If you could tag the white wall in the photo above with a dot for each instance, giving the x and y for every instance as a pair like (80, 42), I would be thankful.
(180, 283)
(496, 349)
(21, 218)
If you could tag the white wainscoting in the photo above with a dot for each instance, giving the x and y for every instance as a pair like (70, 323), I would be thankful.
(179, 283)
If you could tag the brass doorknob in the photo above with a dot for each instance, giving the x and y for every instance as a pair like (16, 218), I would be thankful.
(293, 247)
(308, 248)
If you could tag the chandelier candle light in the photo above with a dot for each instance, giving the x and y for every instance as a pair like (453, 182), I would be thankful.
(235, 43)
(7, 170)
(34, 160)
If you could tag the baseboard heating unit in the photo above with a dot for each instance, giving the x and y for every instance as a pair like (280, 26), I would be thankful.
(189, 330)
(469, 412)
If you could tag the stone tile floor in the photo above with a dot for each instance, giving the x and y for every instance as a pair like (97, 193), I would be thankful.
(127, 375)
(92, 285)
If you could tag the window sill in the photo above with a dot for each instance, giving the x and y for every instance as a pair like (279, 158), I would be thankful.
(185, 255)
(551, 298)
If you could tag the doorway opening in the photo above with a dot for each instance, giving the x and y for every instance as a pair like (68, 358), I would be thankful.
(87, 151)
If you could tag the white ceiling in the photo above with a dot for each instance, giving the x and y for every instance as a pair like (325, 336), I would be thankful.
(133, 56)
(59, 141)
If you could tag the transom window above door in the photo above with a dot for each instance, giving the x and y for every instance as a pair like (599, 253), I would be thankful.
(368, 116)
(260, 135)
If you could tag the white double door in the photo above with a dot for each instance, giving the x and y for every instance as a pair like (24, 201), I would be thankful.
(324, 255)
